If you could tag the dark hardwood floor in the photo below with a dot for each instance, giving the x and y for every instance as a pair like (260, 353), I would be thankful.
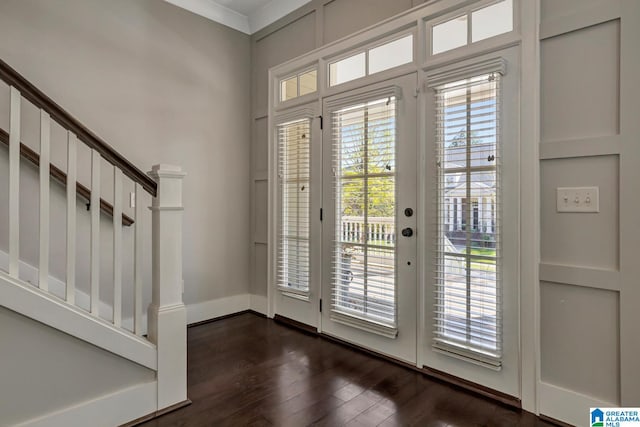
(250, 371)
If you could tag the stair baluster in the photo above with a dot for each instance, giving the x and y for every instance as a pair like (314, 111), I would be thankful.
(95, 233)
(14, 184)
(117, 246)
(72, 148)
(45, 143)
(137, 261)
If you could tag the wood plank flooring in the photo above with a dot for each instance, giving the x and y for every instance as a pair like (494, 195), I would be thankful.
(250, 371)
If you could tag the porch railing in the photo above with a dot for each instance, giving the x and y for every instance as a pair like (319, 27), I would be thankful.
(375, 230)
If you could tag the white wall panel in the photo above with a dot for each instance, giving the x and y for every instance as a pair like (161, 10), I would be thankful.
(260, 270)
(259, 151)
(580, 239)
(579, 340)
(550, 9)
(260, 202)
(343, 17)
(580, 81)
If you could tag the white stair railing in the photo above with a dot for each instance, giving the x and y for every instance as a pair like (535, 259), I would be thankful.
(166, 315)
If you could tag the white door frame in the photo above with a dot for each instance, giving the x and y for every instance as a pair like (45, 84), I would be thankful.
(525, 36)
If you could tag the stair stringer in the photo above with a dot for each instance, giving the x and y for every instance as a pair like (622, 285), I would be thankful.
(29, 301)
(114, 409)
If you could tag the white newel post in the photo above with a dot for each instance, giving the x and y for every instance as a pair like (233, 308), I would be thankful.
(167, 314)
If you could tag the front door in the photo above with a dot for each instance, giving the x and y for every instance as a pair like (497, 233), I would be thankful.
(369, 281)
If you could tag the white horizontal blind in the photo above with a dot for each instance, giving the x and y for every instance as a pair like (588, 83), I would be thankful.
(364, 166)
(294, 150)
(468, 298)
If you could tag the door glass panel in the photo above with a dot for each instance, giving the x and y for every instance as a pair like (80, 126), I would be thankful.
(364, 265)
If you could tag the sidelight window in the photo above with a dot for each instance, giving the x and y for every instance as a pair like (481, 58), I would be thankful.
(467, 283)
(295, 188)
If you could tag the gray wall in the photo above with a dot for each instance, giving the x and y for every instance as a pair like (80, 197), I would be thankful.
(44, 370)
(310, 27)
(161, 85)
(588, 272)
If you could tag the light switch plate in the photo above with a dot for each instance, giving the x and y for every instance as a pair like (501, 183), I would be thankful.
(132, 200)
(578, 199)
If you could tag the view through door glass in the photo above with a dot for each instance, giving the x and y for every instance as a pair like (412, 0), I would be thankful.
(364, 258)
(369, 271)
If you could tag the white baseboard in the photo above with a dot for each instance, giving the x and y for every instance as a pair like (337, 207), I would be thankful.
(211, 309)
(567, 405)
(107, 411)
(258, 303)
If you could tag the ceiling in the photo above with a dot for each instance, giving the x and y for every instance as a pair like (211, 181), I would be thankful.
(247, 16)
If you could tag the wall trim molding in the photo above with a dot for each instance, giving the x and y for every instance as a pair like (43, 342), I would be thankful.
(597, 278)
(272, 12)
(215, 12)
(249, 24)
(114, 409)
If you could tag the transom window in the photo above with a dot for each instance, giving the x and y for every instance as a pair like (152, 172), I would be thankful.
(373, 60)
(472, 26)
(301, 84)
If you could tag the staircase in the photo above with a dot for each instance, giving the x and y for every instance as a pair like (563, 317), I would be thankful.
(154, 341)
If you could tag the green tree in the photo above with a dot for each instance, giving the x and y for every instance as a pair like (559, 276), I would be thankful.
(379, 155)
(460, 140)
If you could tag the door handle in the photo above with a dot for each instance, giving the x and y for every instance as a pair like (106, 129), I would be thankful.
(407, 232)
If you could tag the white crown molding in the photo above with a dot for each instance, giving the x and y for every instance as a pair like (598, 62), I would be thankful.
(215, 12)
(272, 11)
(257, 20)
